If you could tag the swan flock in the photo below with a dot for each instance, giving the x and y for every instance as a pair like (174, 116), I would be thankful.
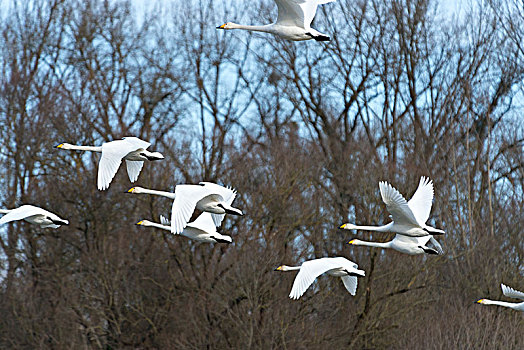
(212, 202)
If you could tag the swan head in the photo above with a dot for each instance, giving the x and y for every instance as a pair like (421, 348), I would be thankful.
(481, 301)
(136, 190)
(228, 25)
(144, 223)
(348, 226)
(64, 146)
(354, 242)
(282, 268)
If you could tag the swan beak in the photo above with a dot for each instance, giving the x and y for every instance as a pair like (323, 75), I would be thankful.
(131, 190)
(60, 145)
(343, 226)
(223, 26)
(140, 222)
(351, 242)
(481, 301)
(278, 268)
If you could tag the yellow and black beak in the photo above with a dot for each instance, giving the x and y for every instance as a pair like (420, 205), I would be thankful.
(351, 242)
(131, 190)
(223, 26)
(342, 226)
(140, 222)
(60, 145)
(279, 268)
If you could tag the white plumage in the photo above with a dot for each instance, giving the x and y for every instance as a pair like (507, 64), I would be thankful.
(409, 218)
(206, 196)
(201, 230)
(293, 22)
(33, 215)
(131, 149)
(310, 270)
(510, 293)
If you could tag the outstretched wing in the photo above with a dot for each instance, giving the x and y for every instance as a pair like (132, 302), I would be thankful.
(133, 169)
(512, 293)
(309, 271)
(112, 155)
(23, 212)
(186, 198)
(227, 193)
(298, 13)
(136, 143)
(204, 222)
(397, 205)
(420, 203)
(350, 282)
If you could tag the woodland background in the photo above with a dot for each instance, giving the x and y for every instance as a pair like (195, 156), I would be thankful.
(303, 130)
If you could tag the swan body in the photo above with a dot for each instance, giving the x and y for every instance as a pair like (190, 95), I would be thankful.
(206, 196)
(293, 22)
(509, 292)
(409, 218)
(131, 149)
(33, 215)
(201, 230)
(309, 270)
(406, 245)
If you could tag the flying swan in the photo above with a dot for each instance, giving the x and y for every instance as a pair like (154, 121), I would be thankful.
(206, 196)
(509, 292)
(202, 229)
(33, 215)
(131, 149)
(406, 244)
(309, 270)
(293, 22)
(409, 218)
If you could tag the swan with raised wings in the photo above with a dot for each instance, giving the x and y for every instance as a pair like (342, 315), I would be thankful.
(309, 270)
(131, 149)
(409, 218)
(510, 293)
(206, 196)
(293, 22)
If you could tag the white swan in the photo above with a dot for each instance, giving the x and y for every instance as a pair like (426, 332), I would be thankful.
(509, 292)
(206, 196)
(201, 230)
(293, 22)
(33, 215)
(406, 244)
(132, 149)
(409, 218)
(309, 270)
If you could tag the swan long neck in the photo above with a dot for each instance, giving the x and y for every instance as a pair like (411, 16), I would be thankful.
(85, 148)
(499, 303)
(160, 226)
(4, 211)
(372, 244)
(384, 228)
(158, 193)
(290, 268)
(266, 28)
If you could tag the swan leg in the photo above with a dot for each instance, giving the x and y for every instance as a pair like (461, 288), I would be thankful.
(320, 37)
(59, 222)
(428, 250)
(433, 233)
